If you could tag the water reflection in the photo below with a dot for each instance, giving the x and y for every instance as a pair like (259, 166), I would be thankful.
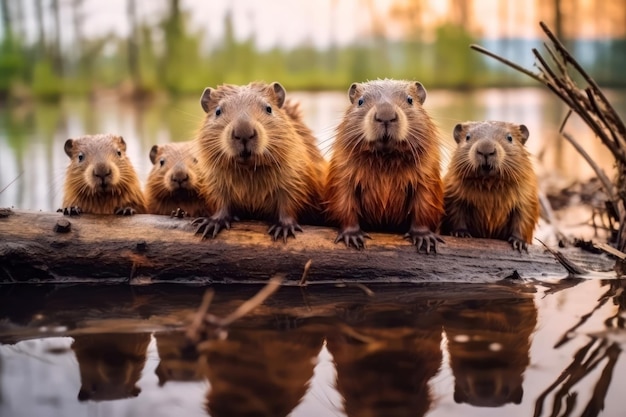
(431, 349)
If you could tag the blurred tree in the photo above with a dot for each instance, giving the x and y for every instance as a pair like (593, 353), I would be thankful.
(133, 48)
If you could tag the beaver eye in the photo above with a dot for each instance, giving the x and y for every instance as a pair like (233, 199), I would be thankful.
(81, 157)
(509, 137)
(361, 101)
(119, 153)
(162, 161)
(468, 137)
(195, 160)
(218, 111)
(409, 99)
(268, 109)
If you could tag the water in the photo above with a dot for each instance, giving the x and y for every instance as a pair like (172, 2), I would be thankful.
(430, 349)
(32, 160)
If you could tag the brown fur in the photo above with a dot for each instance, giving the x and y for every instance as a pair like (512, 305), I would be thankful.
(103, 155)
(173, 182)
(386, 179)
(489, 343)
(499, 202)
(110, 364)
(257, 158)
(178, 361)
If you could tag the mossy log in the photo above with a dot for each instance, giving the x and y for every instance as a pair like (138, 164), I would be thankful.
(48, 247)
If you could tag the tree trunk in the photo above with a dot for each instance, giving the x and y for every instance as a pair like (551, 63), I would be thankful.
(149, 248)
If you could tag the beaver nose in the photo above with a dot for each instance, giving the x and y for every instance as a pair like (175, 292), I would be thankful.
(385, 114)
(102, 171)
(244, 132)
(486, 150)
(179, 177)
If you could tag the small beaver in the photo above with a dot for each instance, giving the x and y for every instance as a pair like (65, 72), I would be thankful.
(100, 178)
(491, 189)
(385, 165)
(173, 184)
(257, 158)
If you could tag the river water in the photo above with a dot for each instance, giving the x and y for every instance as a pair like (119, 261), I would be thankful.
(532, 348)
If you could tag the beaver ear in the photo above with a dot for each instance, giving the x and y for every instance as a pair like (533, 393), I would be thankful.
(68, 147)
(421, 92)
(525, 133)
(279, 93)
(458, 133)
(352, 92)
(205, 99)
(122, 143)
(153, 153)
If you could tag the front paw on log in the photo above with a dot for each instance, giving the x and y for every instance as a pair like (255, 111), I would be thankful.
(211, 226)
(518, 244)
(70, 211)
(422, 237)
(460, 233)
(353, 237)
(284, 228)
(125, 211)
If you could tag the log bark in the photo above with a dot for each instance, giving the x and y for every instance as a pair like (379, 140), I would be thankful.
(38, 247)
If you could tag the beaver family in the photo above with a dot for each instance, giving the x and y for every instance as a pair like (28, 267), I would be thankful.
(173, 185)
(491, 188)
(257, 158)
(100, 178)
(385, 167)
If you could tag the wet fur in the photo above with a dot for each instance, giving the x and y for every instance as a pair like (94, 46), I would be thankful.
(163, 195)
(80, 188)
(500, 205)
(387, 190)
(284, 175)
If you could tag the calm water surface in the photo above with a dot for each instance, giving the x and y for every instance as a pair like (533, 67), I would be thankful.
(431, 349)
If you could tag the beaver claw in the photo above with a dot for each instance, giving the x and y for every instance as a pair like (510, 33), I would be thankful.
(353, 236)
(208, 224)
(178, 213)
(518, 244)
(125, 211)
(286, 228)
(423, 237)
(461, 233)
(70, 211)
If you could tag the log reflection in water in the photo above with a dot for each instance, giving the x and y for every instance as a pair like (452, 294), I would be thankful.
(489, 343)
(588, 358)
(110, 364)
(178, 360)
(260, 372)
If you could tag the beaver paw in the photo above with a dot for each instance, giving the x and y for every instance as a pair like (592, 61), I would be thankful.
(518, 244)
(70, 211)
(284, 227)
(125, 211)
(423, 237)
(353, 236)
(178, 213)
(460, 233)
(211, 226)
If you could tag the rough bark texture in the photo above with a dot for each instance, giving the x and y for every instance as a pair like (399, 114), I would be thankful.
(37, 247)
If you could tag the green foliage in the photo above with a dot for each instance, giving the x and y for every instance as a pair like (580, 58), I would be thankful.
(12, 65)
(46, 84)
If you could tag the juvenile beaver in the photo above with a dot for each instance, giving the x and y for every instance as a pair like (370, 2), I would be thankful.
(257, 158)
(385, 166)
(491, 189)
(173, 184)
(100, 178)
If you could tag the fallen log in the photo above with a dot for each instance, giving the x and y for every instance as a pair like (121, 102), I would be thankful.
(40, 247)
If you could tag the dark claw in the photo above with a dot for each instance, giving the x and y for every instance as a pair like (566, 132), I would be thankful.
(354, 237)
(208, 224)
(70, 211)
(284, 228)
(518, 244)
(179, 213)
(421, 237)
(461, 233)
(125, 211)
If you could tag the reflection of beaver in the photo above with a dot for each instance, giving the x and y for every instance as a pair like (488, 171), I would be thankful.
(258, 159)
(385, 166)
(491, 188)
(100, 178)
(387, 370)
(489, 344)
(173, 182)
(110, 364)
(260, 372)
(178, 361)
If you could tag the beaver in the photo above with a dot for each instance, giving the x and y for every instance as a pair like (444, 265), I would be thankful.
(100, 178)
(173, 185)
(491, 188)
(258, 160)
(385, 166)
